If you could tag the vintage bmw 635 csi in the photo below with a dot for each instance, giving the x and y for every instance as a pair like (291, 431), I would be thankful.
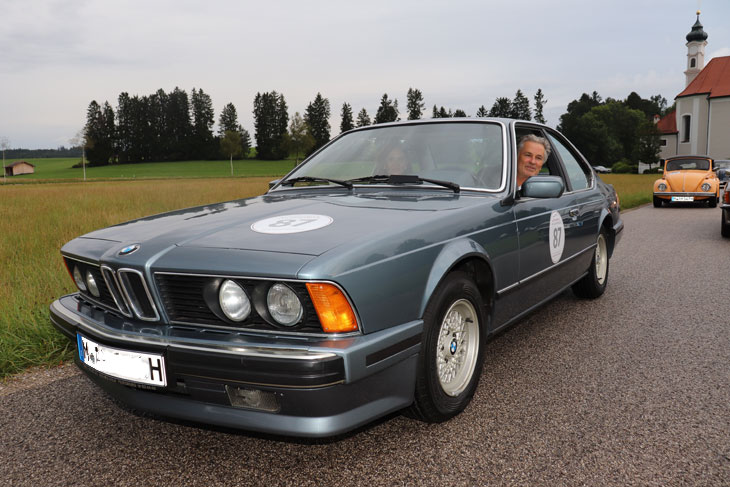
(364, 282)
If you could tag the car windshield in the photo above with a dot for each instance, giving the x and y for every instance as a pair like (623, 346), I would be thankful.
(688, 164)
(468, 154)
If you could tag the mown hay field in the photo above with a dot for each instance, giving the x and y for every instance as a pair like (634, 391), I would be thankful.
(37, 219)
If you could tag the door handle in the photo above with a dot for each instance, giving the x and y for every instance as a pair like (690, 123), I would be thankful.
(574, 212)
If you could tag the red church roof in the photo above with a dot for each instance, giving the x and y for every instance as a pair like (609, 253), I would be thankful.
(713, 80)
(668, 123)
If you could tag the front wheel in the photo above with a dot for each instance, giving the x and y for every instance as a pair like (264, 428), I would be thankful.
(713, 202)
(452, 351)
(594, 283)
(657, 202)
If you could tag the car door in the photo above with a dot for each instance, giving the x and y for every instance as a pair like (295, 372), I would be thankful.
(551, 233)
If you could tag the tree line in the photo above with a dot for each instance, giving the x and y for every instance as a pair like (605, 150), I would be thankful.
(172, 126)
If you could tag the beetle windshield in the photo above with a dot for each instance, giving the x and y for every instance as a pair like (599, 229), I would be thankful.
(688, 164)
(468, 154)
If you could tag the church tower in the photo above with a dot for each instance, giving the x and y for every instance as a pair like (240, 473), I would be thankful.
(696, 42)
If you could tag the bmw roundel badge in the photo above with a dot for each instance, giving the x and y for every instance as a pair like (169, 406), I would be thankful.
(129, 249)
(453, 346)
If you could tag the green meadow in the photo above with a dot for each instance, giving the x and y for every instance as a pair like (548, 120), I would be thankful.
(62, 169)
(39, 218)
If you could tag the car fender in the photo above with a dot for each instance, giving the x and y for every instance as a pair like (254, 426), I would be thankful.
(450, 256)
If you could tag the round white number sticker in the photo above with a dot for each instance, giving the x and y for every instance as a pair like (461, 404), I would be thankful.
(278, 225)
(556, 237)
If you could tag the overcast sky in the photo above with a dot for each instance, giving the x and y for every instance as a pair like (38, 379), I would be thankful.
(58, 55)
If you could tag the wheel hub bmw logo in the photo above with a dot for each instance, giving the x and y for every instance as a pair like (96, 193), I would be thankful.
(452, 347)
(129, 249)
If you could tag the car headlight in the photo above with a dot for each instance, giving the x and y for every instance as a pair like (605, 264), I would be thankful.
(662, 187)
(233, 301)
(706, 187)
(284, 305)
(91, 284)
(79, 279)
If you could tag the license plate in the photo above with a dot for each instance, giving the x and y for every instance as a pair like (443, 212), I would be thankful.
(139, 367)
(683, 198)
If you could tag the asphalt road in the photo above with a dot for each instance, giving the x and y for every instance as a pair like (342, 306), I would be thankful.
(630, 389)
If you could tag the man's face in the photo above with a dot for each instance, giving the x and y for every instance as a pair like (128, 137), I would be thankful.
(529, 160)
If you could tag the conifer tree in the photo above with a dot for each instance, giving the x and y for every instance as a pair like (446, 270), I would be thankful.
(363, 119)
(521, 107)
(347, 122)
(317, 116)
(539, 105)
(387, 111)
(415, 104)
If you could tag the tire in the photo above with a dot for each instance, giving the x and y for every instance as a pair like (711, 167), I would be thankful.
(657, 202)
(594, 283)
(452, 350)
(713, 202)
(725, 227)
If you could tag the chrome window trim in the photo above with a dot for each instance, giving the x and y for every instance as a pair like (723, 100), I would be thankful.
(128, 298)
(271, 279)
(505, 160)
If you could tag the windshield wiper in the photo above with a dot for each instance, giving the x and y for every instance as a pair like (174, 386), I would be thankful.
(310, 179)
(404, 179)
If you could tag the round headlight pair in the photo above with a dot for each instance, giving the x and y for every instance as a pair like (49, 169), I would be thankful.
(88, 284)
(662, 187)
(706, 187)
(282, 303)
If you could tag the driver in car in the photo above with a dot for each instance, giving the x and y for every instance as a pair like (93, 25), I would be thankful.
(532, 151)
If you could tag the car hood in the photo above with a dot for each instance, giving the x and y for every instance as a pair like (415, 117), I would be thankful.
(689, 181)
(298, 223)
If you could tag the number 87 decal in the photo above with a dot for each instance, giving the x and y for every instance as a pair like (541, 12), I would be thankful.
(556, 237)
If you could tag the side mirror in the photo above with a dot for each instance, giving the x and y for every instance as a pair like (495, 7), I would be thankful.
(273, 183)
(543, 187)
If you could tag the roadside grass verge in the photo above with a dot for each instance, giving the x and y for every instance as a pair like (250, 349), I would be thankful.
(633, 189)
(38, 219)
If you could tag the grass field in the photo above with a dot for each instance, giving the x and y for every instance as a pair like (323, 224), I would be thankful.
(61, 169)
(633, 189)
(37, 219)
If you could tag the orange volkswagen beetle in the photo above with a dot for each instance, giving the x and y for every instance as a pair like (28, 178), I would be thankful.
(686, 179)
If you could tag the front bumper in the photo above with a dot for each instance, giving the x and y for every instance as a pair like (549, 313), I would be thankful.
(666, 194)
(323, 386)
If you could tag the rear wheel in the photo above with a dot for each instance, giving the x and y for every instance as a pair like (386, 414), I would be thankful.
(594, 283)
(657, 202)
(452, 351)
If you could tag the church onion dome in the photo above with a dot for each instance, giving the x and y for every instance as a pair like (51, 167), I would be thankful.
(697, 34)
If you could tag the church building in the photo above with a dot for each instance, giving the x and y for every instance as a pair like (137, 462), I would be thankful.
(701, 122)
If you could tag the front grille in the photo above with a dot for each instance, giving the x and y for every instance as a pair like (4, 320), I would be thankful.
(184, 300)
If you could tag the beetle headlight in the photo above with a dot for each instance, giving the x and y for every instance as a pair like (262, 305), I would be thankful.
(79, 279)
(234, 301)
(91, 284)
(662, 187)
(284, 305)
(706, 187)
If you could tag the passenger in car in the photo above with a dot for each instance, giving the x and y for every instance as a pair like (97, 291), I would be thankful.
(532, 152)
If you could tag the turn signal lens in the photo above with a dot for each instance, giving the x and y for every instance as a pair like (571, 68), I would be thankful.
(333, 309)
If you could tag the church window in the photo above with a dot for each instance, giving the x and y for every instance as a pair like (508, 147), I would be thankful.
(692, 63)
(686, 119)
